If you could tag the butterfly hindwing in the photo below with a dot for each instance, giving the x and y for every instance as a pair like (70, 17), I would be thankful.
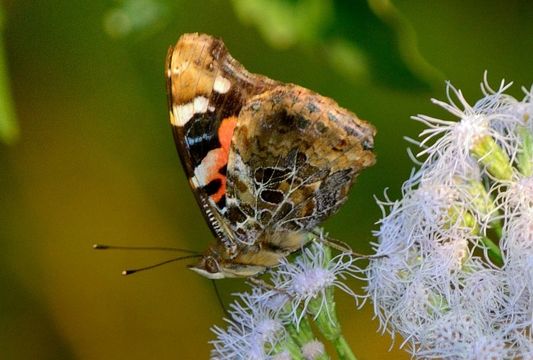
(293, 158)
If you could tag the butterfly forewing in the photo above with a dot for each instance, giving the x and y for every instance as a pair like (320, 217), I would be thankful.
(206, 90)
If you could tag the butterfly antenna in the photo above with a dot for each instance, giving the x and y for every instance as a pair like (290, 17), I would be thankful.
(133, 271)
(156, 248)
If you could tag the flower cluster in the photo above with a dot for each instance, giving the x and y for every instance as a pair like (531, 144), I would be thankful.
(457, 278)
(272, 321)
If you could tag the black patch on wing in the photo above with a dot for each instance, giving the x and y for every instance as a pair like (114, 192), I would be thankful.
(213, 187)
(201, 131)
(223, 170)
(201, 136)
(227, 104)
(221, 204)
(272, 196)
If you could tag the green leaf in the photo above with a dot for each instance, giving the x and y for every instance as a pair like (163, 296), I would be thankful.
(361, 40)
(285, 23)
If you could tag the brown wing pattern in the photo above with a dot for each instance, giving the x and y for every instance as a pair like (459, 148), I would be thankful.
(294, 156)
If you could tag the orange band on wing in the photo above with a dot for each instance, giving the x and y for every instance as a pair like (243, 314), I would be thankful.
(225, 133)
(218, 158)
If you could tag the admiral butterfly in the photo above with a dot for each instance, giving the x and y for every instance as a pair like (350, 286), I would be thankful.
(267, 161)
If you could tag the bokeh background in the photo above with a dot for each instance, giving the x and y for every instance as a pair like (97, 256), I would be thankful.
(87, 155)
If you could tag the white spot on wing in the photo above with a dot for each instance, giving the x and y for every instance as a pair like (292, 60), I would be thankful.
(184, 113)
(221, 85)
(200, 104)
(203, 171)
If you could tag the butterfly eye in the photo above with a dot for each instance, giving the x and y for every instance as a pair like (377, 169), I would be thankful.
(211, 265)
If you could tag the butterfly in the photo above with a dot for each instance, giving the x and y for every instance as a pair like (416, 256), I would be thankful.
(266, 161)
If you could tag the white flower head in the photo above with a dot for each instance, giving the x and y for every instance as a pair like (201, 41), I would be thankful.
(431, 218)
(487, 290)
(311, 274)
(473, 191)
(252, 332)
(313, 350)
(461, 335)
(448, 145)
(517, 205)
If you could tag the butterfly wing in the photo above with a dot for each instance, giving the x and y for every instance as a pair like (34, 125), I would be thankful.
(206, 90)
(293, 158)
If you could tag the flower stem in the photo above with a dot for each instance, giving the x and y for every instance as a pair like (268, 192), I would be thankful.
(493, 250)
(290, 346)
(303, 334)
(525, 155)
(343, 349)
(323, 312)
(493, 157)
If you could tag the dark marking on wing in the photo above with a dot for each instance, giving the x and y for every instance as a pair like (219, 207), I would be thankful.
(213, 187)
(199, 137)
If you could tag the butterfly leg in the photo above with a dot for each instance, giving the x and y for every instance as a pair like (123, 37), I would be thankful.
(340, 245)
(255, 280)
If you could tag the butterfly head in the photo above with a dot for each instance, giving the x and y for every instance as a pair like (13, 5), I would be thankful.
(217, 263)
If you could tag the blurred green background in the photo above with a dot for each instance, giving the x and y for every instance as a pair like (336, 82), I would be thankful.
(94, 160)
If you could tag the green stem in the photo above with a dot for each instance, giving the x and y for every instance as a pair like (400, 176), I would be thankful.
(303, 334)
(497, 227)
(493, 157)
(288, 345)
(292, 347)
(343, 349)
(525, 154)
(493, 249)
(322, 310)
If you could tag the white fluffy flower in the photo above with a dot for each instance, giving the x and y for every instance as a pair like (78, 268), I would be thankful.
(429, 217)
(271, 321)
(253, 330)
(311, 275)
(313, 350)
(517, 205)
(471, 196)
(463, 335)
(448, 144)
